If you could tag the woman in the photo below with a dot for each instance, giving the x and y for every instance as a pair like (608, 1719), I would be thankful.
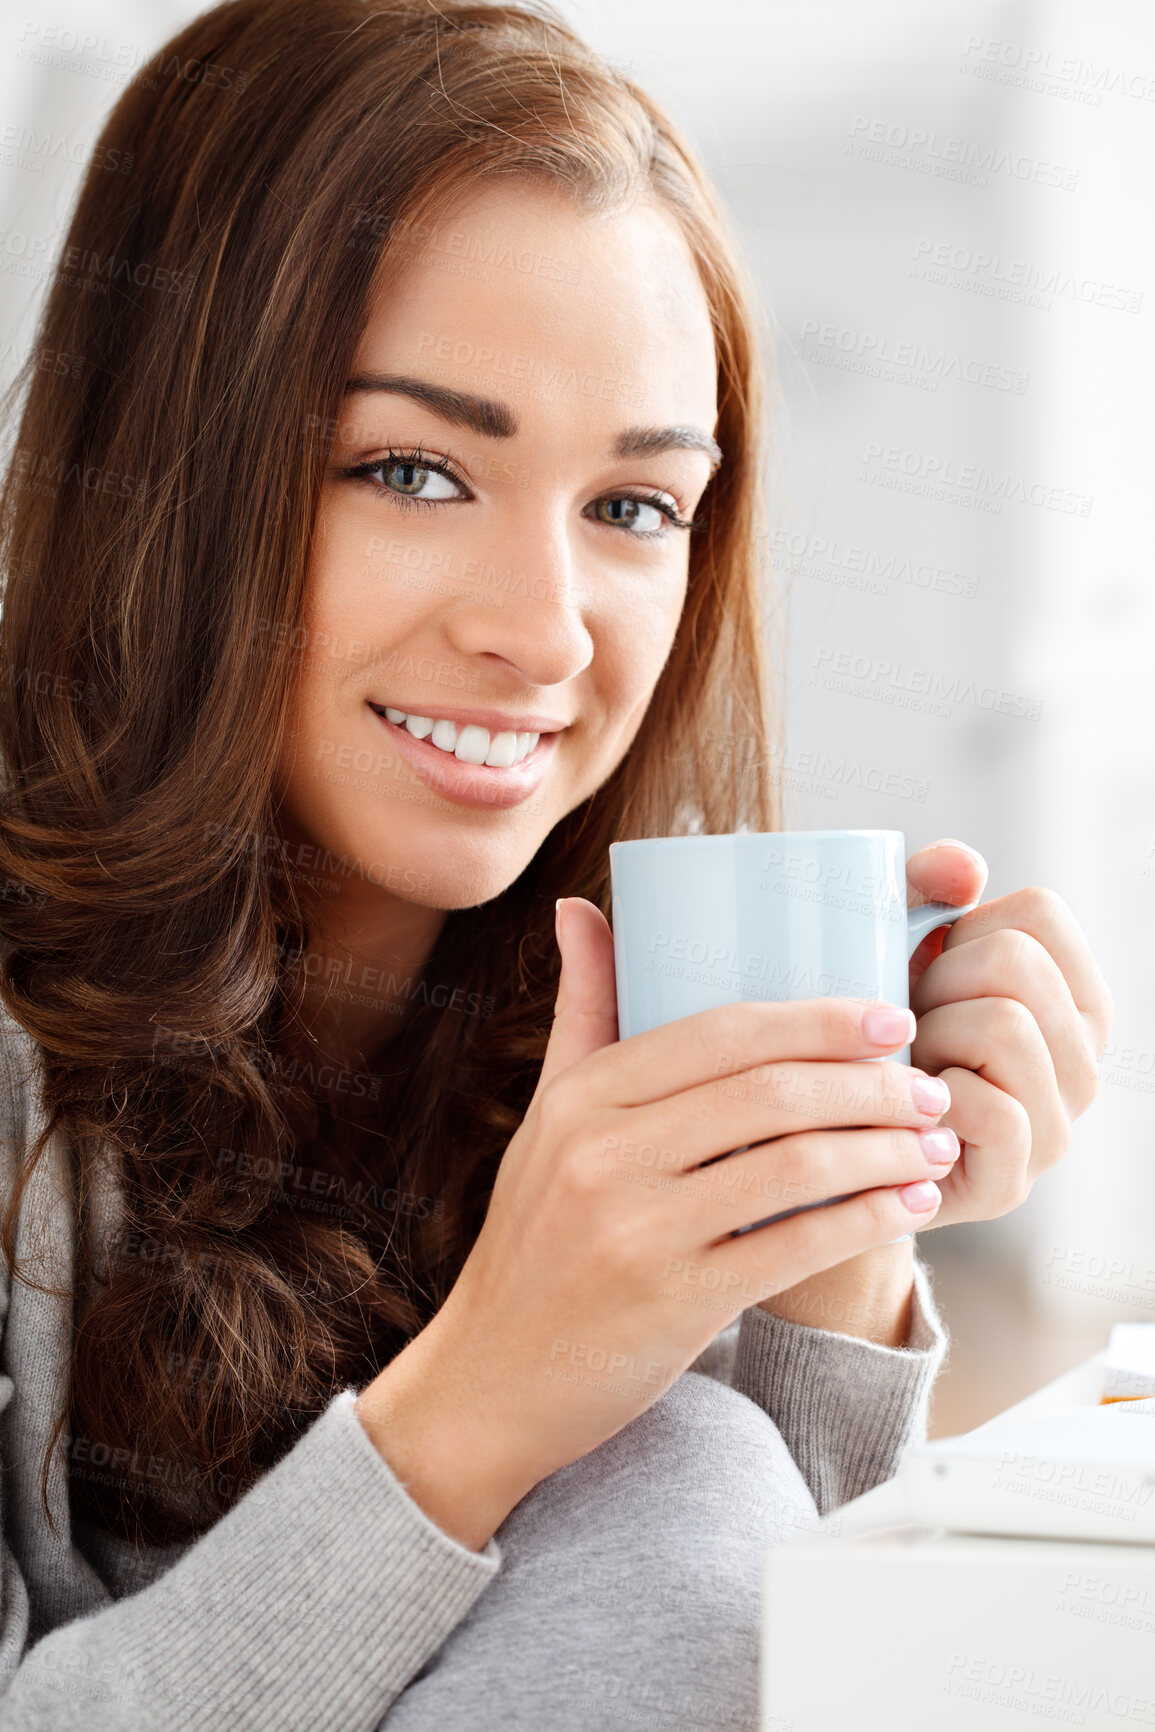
(391, 555)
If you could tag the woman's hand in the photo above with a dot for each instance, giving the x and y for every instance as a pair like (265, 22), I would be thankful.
(1013, 1015)
(606, 1261)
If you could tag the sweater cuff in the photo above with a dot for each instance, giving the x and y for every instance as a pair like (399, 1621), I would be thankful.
(313, 1602)
(845, 1407)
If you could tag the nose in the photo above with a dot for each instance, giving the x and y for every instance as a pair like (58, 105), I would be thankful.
(523, 606)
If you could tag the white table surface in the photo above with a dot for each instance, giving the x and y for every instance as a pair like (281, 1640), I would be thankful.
(872, 1623)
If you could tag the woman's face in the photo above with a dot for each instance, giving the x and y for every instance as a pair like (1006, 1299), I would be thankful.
(559, 367)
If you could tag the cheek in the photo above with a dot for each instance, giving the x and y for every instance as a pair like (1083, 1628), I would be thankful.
(350, 621)
(337, 581)
(645, 625)
(634, 645)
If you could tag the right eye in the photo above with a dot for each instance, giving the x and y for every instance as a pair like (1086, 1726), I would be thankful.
(410, 478)
(401, 475)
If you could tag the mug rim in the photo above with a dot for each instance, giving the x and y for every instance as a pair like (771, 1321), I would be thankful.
(762, 836)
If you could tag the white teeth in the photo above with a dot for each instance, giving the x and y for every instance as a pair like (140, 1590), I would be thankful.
(502, 752)
(469, 744)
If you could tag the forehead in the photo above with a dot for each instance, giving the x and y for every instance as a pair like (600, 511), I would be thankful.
(519, 292)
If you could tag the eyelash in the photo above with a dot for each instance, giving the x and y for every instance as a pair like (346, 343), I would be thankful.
(417, 458)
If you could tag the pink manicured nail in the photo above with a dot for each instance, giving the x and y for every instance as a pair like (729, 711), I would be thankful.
(921, 1198)
(929, 1093)
(885, 1026)
(940, 1144)
(953, 842)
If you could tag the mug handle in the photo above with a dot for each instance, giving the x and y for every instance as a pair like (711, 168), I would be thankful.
(920, 921)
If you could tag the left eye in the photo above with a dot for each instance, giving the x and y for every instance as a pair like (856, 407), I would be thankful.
(630, 514)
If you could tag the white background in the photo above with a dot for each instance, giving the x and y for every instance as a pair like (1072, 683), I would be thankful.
(781, 99)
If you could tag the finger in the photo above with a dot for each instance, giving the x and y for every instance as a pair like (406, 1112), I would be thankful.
(946, 871)
(586, 1013)
(712, 1121)
(812, 1167)
(1011, 963)
(773, 1258)
(994, 1172)
(1000, 1041)
(1048, 919)
(731, 1038)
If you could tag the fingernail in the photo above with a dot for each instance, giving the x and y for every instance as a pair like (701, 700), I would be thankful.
(883, 1025)
(929, 1093)
(921, 1198)
(953, 842)
(940, 1144)
(557, 919)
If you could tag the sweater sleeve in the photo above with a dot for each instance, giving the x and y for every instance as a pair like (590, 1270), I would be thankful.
(313, 1602)
(846, 1408)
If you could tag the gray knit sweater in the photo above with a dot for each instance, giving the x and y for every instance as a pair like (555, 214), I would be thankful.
(623, 1588)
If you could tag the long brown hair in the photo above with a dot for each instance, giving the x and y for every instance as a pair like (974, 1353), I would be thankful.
(157, 515)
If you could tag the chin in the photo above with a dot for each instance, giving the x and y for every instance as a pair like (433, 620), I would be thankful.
(470, 876)
(445, 866)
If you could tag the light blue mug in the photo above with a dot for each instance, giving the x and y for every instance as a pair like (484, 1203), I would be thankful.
(700, 921)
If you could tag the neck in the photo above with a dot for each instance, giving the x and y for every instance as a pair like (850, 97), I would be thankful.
(363, 962)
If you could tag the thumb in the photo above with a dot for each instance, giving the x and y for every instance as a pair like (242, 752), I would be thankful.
(947, 871)
(586, 1015)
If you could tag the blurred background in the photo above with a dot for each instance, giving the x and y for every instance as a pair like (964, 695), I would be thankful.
(946, 209)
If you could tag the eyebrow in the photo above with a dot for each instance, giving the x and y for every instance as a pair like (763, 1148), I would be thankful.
(493, 419)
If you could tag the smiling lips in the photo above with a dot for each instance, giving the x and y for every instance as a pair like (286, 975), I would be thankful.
(471, 764)
(468, 743)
